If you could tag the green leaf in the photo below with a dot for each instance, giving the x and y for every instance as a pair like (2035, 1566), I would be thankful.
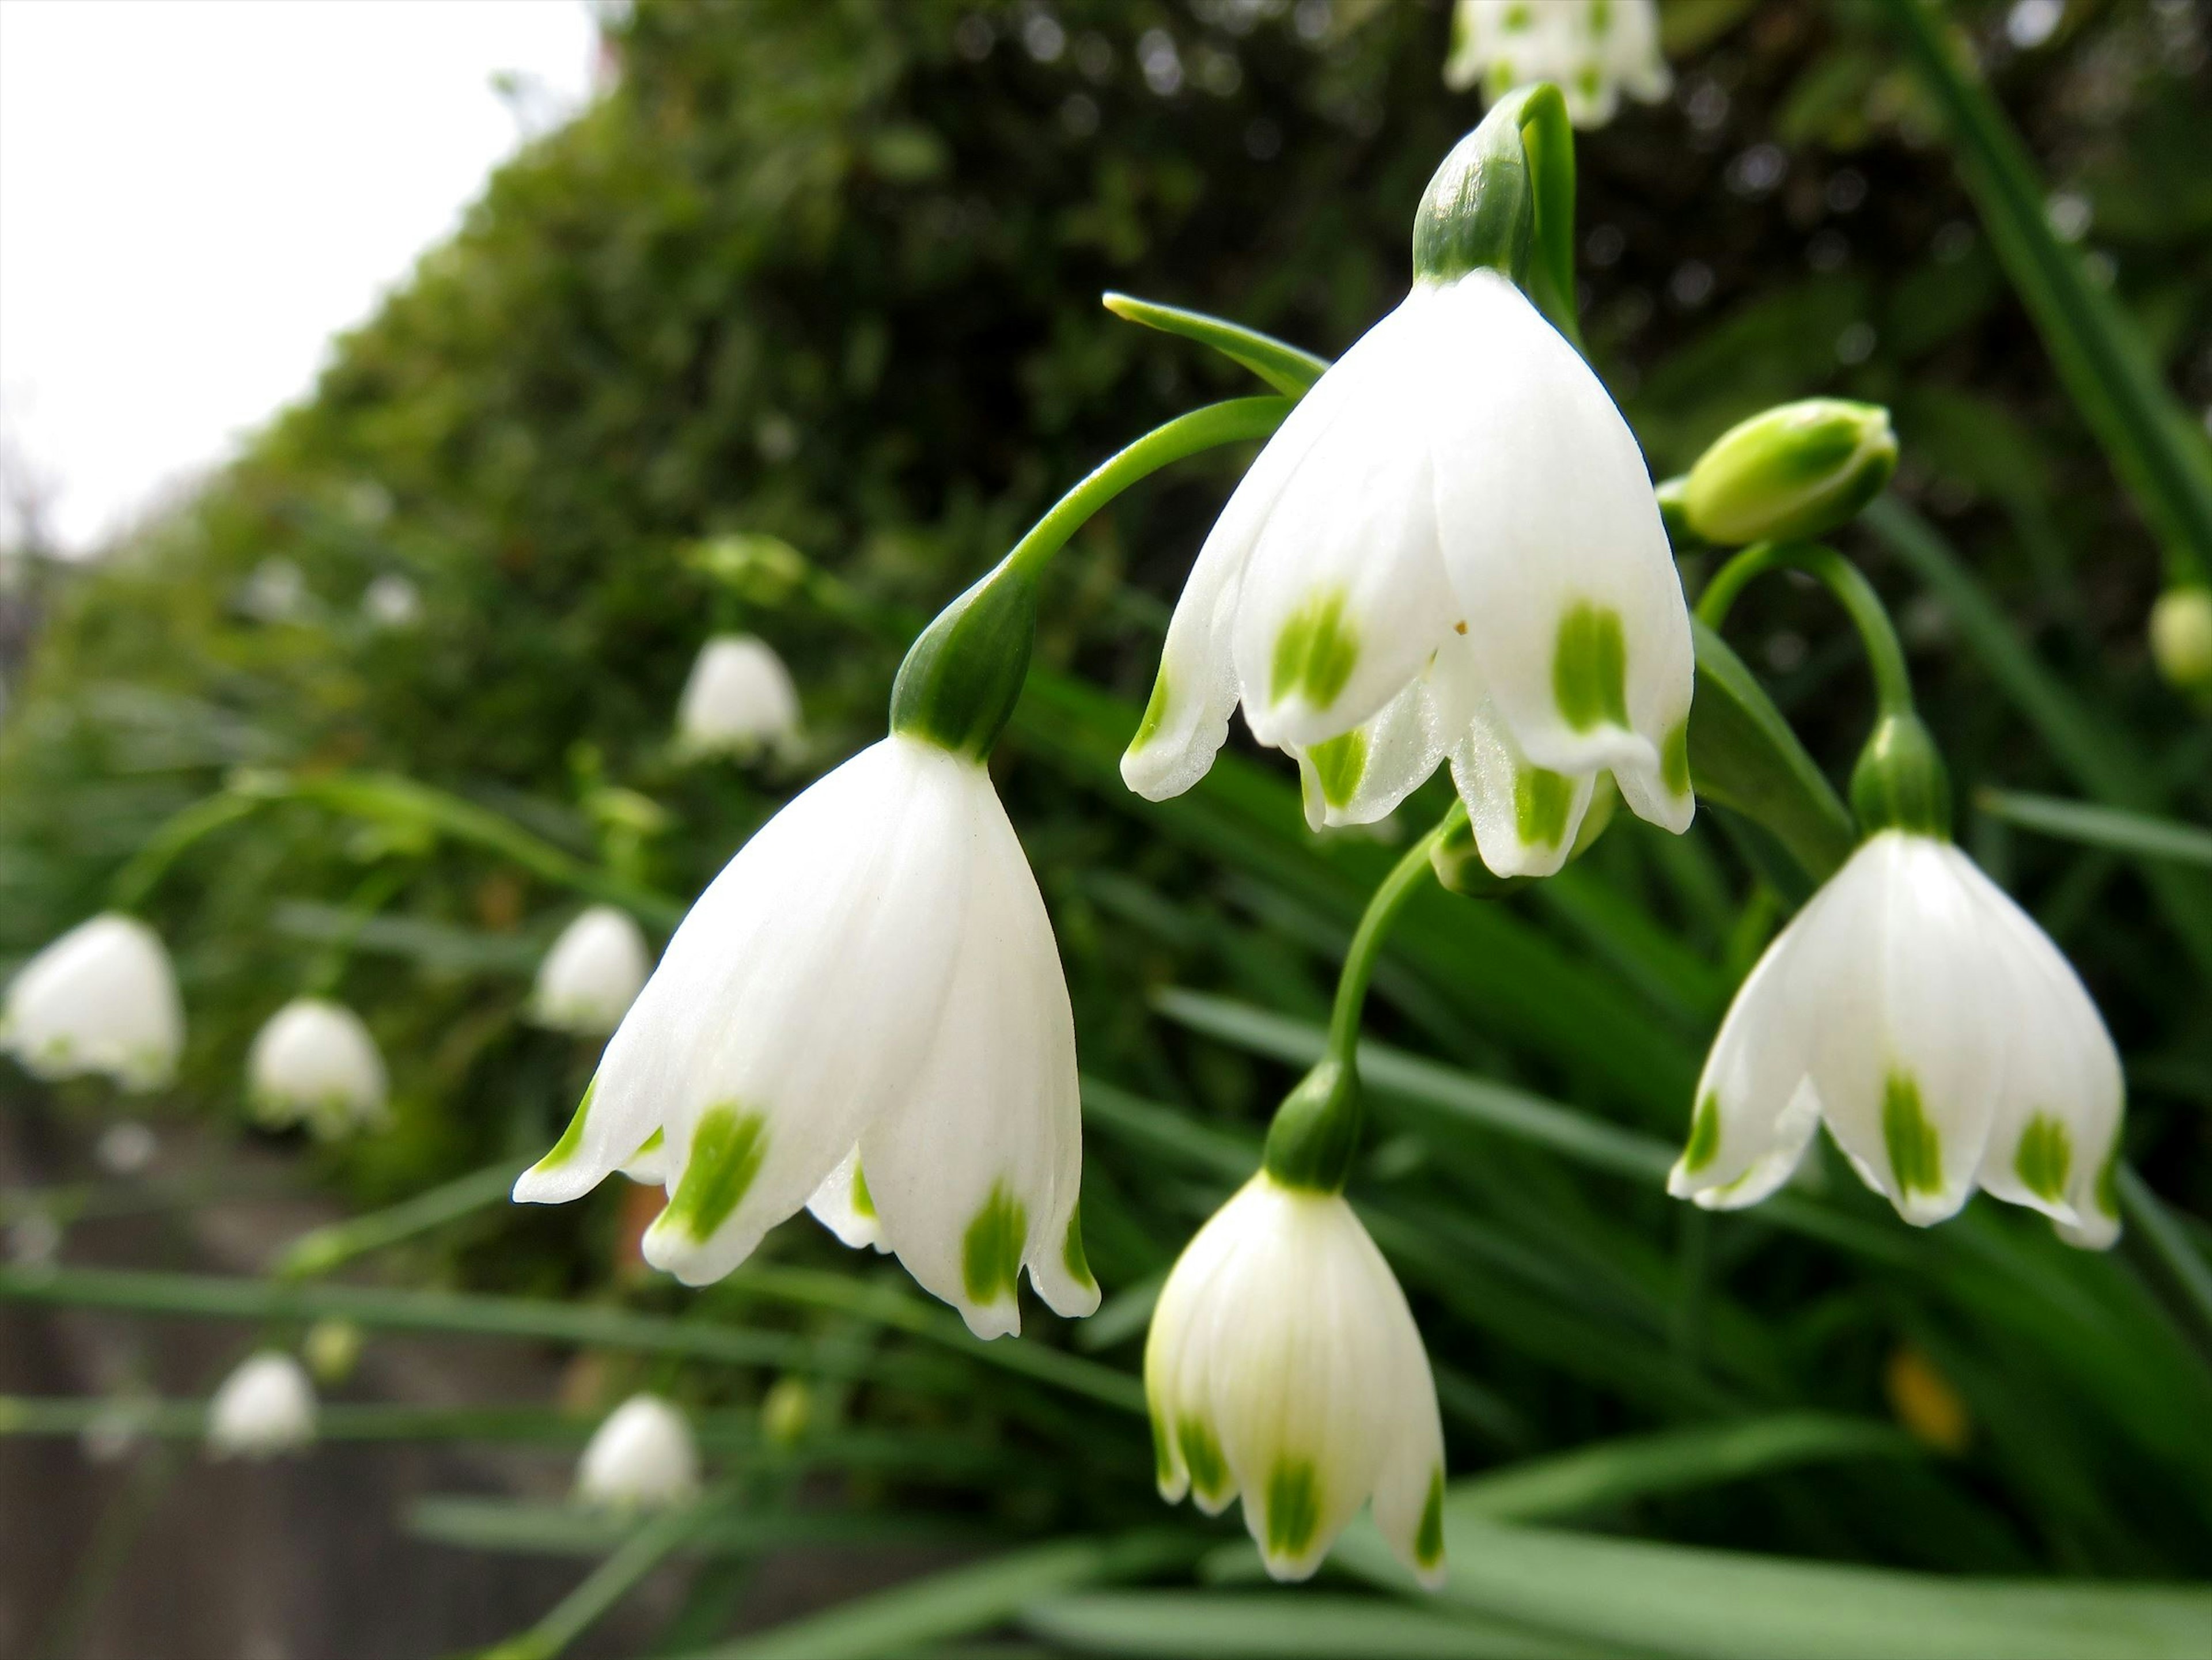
(1285, 1625)
(1286, 367)
(2113, 828)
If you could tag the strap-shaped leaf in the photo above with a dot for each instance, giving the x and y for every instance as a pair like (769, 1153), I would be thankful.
(1744, 757)
(1282, 366)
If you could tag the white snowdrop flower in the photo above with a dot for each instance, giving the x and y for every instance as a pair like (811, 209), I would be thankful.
(264, 1407)
(315, 1063)
(592, 975)
(1448, 551)
(1283, 1364)
(100, 998)
(1592, 50)
(739, 701)
(865, 1014)
(276, 592)
(391, 601)
(642, 1457)
(1937, 1031)
(34, 1240)
(125, 1148)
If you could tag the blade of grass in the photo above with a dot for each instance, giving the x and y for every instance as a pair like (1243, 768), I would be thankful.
(2115, 827)
(1286, 1625)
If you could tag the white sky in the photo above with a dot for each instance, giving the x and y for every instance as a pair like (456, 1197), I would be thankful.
(195, 195)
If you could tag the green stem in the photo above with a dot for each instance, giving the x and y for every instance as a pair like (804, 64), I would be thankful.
(374, 891)
(151, 862)
(1234, 421)
(1893, 681)
(1383, 909)
(2147, 1212)
(652, 1544)
(321, 1249)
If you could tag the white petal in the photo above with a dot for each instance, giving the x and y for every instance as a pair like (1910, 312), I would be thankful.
(100, 998)
(642, 1457)
(266, 1407)
(843, 1205)
(594, 973)
(1363, 774)
(976, 1170)
(739, 700)
(1553, 546)
(1525, 819)
(1409, 1483)
(314, 1061)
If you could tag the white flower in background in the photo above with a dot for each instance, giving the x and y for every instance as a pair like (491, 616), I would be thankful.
(1928, 1020)
(264, 1407)
(739, 701)
(315, 1063)
(100, 998)
(592, 975)
(125, 1148)
(1448, 551)
(391, 601)
(1283, 1363)
(866, 1012)
(276, 592)
(1592, 50)
(642, 1457)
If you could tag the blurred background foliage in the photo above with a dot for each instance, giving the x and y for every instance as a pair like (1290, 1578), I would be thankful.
(828, 271)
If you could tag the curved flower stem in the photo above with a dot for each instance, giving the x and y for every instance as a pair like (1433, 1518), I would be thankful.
(1231, 422)
(1892, 682)
(374, 891)
(175, 837)
(1383, 909)
(1548, 139)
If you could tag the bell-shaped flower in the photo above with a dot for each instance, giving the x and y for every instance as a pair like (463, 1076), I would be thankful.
(592, 975)
(738, 702)
(1448, 551)
(264, 1407)
(1593, 50)
(1283, 1364)
(1937, 1031)
(642, 1457)
(866, 1012)
(391, 601)
(100, 998)
(314, 1063)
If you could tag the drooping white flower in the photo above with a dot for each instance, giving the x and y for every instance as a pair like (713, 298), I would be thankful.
(866, 1010)
(100, 998)
(1937, 1031)
(264, 1407)
(642, 1457)
(315, 1063)
(1448, 551)
(1592, 50)
(1283, 1364)
(592, 975)
(391, 601)
(739, 701)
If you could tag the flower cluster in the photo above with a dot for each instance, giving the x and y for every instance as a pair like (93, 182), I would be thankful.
(1593, 50)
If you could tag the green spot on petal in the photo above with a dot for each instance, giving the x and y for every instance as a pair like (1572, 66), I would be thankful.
(1541, 803)
(1429, 1537)
(1915, 1151)
(1163, 1454)
(2046, 1155)
(991, 1250)
(2108, 1182)
(1293, 1508)
(1155, 714)
(1675, 759)
(1589, 668)
(863, 1203)
(1072, 1256)
(726, 1149)
(1314, 654)
(573, 1137)
(1705, 1135)
(1201, 1456)
(1339, 764)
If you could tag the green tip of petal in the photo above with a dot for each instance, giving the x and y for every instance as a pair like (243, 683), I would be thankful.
(1429, 1537)
(573, 1137)
(864, 1203)
(1675, 759)
(1201, 1456)
(726, 1150)
(1916, 1151)
(1339, 765)
(1589, 668)
(1293, 1508)
(1541, 801)
(1072, 1255)
(991, 1250)
(1705, 1135)
(2044, 1158)
(1155, 714)
(1316, 652)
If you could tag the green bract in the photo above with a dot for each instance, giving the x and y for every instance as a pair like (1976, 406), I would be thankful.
(960, 681)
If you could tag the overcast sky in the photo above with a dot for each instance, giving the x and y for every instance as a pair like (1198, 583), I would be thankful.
(195, 195)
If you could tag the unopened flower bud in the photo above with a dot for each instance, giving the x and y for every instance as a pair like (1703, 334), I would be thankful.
(1790, 473)
(264, 1407)
(2181, 637)
(642, 1457)
(787, 1411)
(332, 1349)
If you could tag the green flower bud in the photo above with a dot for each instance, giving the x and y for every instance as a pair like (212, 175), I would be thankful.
(332, 1350)
(961, 679)
(1792, 472)
(1317, 1130)
(1900, 782)
(1479, 210)
(2181, 637)
(785, 1412)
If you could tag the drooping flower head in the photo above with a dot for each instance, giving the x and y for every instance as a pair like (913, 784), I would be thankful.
(642, 1457)
(100, 998)
(1450, 551)
(1284, 1365)
(739, 701)
(865, 1014)
(1594, 50)
(264, 1407)
(592, 975)
(314, 1063)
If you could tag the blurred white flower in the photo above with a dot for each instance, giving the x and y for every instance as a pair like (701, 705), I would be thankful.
(1933, 1026)
(871, 986)
(592, 975)
(642, 1457)
(1592, 50)
(739, 701)
(276, 592)
(100, 998)
(264, 1407)
(125, 1148)
(1283, 1363)
(391, 601)
(1450, 551)
(315, 1063)
(33, 1240)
